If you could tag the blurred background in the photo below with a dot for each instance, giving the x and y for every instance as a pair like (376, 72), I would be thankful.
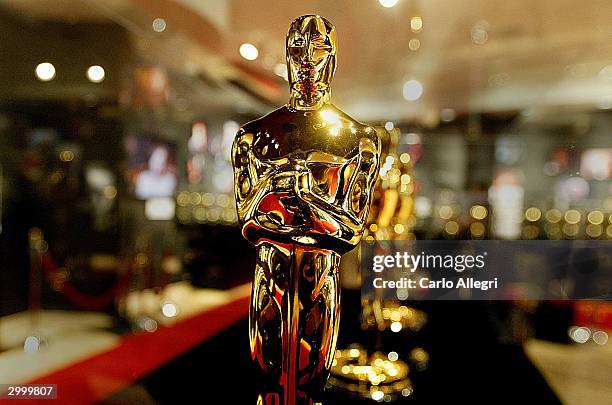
(123, 274)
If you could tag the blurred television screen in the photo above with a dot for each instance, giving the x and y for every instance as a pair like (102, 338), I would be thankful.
(151, 167)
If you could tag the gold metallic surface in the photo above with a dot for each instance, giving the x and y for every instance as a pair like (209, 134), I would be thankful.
(303, 178)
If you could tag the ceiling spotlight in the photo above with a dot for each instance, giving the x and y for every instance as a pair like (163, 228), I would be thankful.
(413, 90)
(479, 36)
(159, 25)
(479, 33)
(95, 73)
(414, 44)
(45, 71)
(388, 3)
(416, 24)
(249, 51)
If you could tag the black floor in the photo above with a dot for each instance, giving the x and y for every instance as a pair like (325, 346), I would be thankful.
(467, 364)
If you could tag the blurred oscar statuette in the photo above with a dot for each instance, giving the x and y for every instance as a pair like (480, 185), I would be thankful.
(303, 178)
(379, 374)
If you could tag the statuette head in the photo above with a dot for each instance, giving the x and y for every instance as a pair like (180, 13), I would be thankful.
(311, 61)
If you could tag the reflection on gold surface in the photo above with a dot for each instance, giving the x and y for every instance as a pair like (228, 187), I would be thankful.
(303, 178)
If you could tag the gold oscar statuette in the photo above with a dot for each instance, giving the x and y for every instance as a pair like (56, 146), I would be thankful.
(377, 374)
(303, 177)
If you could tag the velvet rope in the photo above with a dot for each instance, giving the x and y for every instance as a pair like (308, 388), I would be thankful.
(85, 301)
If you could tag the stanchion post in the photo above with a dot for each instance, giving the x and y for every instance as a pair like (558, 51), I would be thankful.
(37, 247)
